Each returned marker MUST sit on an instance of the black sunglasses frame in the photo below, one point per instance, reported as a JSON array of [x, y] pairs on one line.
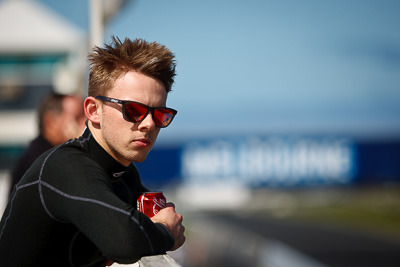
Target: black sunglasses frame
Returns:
[[149, 109]]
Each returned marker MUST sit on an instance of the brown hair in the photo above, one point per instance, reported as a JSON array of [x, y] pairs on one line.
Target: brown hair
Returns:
[[50, 103], [109, 63]]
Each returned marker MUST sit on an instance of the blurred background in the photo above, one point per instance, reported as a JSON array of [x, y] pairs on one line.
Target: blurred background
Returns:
[[286, 147]]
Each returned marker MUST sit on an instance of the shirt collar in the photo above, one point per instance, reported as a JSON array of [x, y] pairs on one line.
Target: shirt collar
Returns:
[[111, 166]]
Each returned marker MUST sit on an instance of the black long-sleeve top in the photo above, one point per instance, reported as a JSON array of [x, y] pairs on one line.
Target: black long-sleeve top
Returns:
[[36, 147], [76, 206]]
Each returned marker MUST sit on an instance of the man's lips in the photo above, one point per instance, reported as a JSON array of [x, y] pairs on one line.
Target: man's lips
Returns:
[[143, 142]]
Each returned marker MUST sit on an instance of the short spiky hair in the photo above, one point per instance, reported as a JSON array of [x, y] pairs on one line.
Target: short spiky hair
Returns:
[[109, 63]]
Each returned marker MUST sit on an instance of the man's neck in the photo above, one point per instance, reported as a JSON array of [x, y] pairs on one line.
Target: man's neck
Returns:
[[96, 133]]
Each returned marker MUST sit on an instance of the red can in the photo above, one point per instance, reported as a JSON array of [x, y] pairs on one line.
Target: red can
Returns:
[[150, 203]]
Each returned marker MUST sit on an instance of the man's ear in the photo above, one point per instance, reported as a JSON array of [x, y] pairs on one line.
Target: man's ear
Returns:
[[50, 120], [92, 109]]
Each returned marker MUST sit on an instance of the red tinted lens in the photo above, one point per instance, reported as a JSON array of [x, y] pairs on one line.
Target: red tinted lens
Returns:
[[163, 117], [136, 112]]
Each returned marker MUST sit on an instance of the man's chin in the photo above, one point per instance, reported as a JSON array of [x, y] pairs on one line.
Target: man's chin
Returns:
[[138, 159]]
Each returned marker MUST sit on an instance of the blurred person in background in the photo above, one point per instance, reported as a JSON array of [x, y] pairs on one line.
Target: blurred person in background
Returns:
[[60, 118], [76, 205]]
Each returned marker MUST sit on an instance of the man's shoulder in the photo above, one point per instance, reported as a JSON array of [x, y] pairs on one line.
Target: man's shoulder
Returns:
[[67, 153], [68, 160]]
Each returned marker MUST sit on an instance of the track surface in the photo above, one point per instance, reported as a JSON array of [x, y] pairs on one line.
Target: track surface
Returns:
[[331, 246]]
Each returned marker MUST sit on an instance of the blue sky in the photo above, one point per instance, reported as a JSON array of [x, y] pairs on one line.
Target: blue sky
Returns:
[[272, 66]]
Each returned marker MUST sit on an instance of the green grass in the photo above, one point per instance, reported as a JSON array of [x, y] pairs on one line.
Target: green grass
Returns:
[[376, 210], [387, 222]]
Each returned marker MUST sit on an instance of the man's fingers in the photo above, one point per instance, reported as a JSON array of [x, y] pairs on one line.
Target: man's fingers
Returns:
[[170, 204]]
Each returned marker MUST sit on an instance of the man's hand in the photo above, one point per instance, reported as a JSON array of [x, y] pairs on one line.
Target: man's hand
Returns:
[[173, 222]]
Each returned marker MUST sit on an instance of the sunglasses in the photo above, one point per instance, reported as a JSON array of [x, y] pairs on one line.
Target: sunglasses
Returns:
[[136, 112]]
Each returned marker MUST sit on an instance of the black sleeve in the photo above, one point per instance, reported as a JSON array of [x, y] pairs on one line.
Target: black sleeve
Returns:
[[22, 166], [83, 195]]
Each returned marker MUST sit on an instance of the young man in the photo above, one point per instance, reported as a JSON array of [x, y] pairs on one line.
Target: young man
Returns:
[[60, 118], [76, 205]]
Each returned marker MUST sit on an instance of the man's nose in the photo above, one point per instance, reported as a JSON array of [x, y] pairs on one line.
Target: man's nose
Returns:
[[148, 123]]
